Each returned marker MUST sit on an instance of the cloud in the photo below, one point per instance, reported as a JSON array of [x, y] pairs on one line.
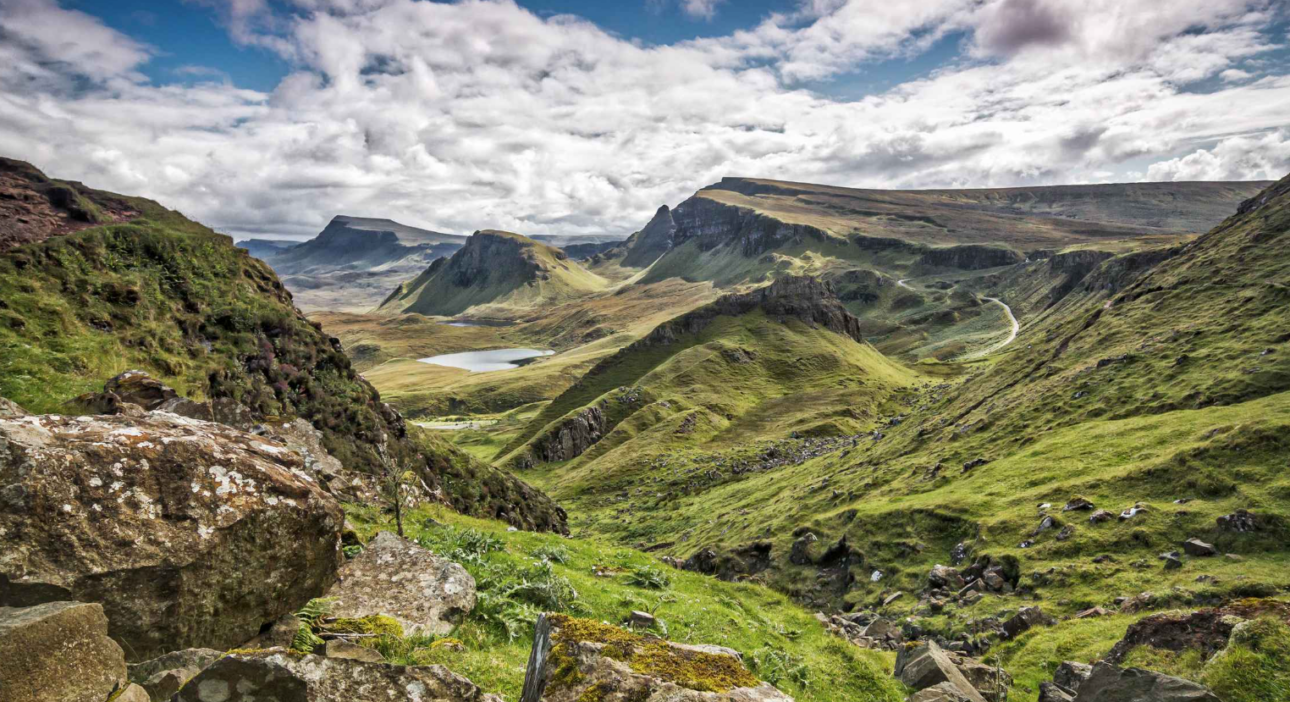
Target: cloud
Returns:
[[705, 9], [1237, 158], [476, 114]]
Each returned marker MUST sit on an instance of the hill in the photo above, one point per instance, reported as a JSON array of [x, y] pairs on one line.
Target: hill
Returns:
[[151, 290], [494, 269]]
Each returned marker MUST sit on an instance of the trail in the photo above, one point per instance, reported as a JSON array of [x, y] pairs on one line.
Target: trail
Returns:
[[1012, 336], [901, 283]]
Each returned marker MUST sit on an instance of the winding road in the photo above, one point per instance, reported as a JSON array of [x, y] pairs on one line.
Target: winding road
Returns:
[[1012, 335]]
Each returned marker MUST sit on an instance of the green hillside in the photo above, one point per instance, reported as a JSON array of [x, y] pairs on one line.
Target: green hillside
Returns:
[[494, 270]]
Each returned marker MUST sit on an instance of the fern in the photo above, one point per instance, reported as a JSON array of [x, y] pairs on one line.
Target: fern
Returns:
[[650, 578]]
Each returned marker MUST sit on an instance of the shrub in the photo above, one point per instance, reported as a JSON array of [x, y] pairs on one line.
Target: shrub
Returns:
[[649, 577], [775, 666]]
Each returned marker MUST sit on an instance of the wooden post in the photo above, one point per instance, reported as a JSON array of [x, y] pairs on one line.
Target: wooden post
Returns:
[[535, 676]]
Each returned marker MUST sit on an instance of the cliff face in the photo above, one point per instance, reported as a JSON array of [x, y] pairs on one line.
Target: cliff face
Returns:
[[713, 224], [652, 241], [34, 208], [970, 257]]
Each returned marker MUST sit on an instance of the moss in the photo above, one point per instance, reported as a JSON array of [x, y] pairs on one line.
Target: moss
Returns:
[[594, 693], [378, 624], [646, 655]]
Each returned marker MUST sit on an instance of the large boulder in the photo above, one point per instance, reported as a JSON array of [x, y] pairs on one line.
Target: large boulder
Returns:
[[397, 578], [579, 659], [1024, 620], [190, 533], [281, 676], [58, 651], [10, 409], [1111, 684], [927, 665]]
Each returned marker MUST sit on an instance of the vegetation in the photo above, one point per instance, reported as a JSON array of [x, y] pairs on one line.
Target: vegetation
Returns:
[[496, 636]]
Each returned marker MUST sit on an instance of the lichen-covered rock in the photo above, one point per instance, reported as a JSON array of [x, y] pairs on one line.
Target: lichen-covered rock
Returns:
[[58, 651], [189, 533], [580, 659], [162, 677], [399, 579], [10, 409], [285, 677], [1024, 620]]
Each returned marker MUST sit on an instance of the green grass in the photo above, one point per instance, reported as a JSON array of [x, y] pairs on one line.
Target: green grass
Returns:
[[786, 640]]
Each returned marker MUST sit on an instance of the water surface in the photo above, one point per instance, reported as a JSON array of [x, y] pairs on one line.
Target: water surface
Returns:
[[484, 361]]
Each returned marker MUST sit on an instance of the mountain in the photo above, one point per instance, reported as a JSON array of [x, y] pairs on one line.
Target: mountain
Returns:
[[497, 269], [154, 291], [741, 228], [265, 249], [352, 264]]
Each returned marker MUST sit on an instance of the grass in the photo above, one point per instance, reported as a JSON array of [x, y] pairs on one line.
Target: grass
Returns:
[[779, 639]]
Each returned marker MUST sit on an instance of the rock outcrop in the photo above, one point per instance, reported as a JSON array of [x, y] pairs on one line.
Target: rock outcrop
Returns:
[[1108, 683], [651, 242], [162, 677], [927, 665], [58, 651], [578, 659], [395, 577], [286, 677], [970, 257], [572, 437], [189, 533]]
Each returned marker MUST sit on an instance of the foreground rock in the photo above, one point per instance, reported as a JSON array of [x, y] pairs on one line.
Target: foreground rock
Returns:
[[397, 578], [926, 666], [58, 651], [189, 533], [286, 677], [579, 659], [162, 677]]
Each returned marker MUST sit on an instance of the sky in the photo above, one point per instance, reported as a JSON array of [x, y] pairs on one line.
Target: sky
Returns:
[[265, 118]]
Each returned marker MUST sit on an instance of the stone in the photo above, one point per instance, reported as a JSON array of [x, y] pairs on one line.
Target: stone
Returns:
[[162, 677], [1111, 684], [1091, 613], [58, 651], [397, 578], [1024, 620], [133, 693], [189, 533], [288, 677], [927, 665], [1198, 548], [945, 577], [1100, 516], [974, 463], [959, 553], [800, 553], [1077, 504], [280, 635], [1045, 524], [10, 409], [340, 648], [561, 642], [641, 619], [1172, 560], [1049, 692], [1071, 675], [890, 599], [881, 629], [940, 692], [1240, 521], [993, 579]]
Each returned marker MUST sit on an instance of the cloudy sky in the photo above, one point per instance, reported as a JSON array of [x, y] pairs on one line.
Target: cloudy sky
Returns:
[[267, 117]]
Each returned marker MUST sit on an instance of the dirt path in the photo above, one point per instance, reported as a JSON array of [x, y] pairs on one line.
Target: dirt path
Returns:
[[1012, 335]]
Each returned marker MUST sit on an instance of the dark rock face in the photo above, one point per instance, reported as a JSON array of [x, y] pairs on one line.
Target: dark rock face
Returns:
[[189, 533], [572, 437], [970, 257], [734, 565], [798, 297], [284, 677], [1108, 683], [34, 208], [489, 255], [1024, 620], [652, 241], [162, 677], [710, 224], [1207, 630], [341, 245], [1239, 521], [58, 651]]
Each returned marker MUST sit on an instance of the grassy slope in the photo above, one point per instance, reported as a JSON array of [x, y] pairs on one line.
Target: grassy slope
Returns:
[[696, 609], [169, 296], [505, 259]]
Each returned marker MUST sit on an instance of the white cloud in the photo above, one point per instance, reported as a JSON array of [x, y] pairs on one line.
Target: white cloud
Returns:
[[473, 114], [706, 9], [1235, 158]]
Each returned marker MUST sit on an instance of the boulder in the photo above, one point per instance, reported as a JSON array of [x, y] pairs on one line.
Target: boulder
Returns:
[[1025, 619], [162, 677], [1048, 692], [944, 577], [940, 692], [397, 578], [800, 553], [1239, 521], [1198, 548], [190, 533], [1071, 675], [1111, 684], [58, 651], [339, 648], [578, 659], [10, 409], [287, 677], [927, 665], [1077, 504], [132, 693], [1100, 516]]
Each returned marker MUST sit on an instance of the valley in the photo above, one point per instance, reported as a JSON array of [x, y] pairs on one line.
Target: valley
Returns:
[[822, 413]]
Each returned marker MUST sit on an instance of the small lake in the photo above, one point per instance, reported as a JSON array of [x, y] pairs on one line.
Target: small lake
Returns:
[[484, 361]]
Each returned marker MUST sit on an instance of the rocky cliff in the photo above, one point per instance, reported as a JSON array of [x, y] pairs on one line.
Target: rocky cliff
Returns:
[[343, 246]]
